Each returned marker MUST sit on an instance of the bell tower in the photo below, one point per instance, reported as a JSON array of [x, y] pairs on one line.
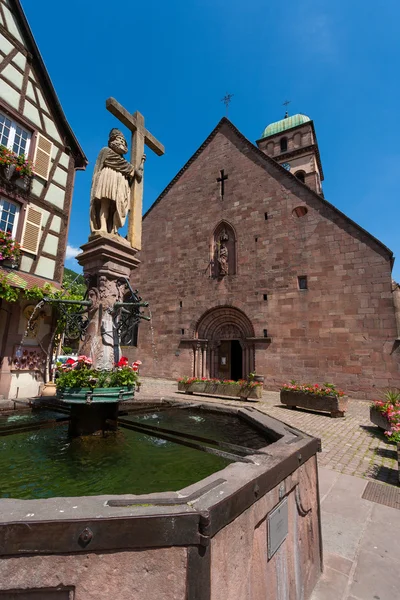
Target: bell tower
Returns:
[[293, 144]]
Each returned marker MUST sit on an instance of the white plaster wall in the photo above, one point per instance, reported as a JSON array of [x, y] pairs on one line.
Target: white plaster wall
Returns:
[[55, 195], [64, 160], [8, 94], [12, 25], [56, 224], [51, 244], [37, 186], [5, 45], [60, 177], [29, 91], [20, 60], [13, 75], [25, 384], [51, 129], [45, 267], [26, 263], [42, 101], [32, 113]]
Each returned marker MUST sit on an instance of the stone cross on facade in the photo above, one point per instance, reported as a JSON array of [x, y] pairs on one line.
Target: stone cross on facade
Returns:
[[140, 136]]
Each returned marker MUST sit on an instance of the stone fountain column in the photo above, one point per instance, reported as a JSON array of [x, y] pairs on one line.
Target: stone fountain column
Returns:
[[105, 260]]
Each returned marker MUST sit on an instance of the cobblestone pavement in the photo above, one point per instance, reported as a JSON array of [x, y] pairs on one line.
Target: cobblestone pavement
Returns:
[[352, 445]]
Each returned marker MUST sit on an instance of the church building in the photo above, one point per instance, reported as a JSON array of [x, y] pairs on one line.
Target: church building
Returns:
[[248, 268]]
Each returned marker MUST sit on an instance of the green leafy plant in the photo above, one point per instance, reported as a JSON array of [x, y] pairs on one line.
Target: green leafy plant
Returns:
[[244, 383], [326, 389]]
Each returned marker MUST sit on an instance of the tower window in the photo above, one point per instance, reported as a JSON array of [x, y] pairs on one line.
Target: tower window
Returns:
[[266, 216], [182, 331], [265, 332], [300, 175], [283, 143], [302, 281], [180, 303], [265, 297]]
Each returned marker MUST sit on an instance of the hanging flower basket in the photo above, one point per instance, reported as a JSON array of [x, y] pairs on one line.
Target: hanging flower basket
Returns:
[[10, 251]]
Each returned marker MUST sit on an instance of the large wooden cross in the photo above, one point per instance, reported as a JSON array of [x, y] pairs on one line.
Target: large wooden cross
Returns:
[[140, 137]]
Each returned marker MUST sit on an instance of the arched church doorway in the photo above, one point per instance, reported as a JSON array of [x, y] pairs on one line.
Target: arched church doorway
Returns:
[[224, 344]]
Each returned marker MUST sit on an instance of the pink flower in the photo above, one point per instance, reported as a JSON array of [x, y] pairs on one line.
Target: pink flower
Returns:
[[123, 362], [84, 359], [137, 362], [135, 368]]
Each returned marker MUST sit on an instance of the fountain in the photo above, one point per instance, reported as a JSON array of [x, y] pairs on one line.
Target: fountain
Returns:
[[174, 500]]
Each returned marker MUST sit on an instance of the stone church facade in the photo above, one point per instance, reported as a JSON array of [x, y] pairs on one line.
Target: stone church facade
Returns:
[[248, 268]]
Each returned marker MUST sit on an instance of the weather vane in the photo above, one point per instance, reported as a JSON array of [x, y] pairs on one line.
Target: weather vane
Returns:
[[226, 100]]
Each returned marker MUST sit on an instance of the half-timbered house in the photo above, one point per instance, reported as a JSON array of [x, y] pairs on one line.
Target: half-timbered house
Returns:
[[34, 207]]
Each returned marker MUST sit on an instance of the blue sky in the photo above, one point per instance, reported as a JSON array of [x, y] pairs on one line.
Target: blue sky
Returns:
[[174, 61]]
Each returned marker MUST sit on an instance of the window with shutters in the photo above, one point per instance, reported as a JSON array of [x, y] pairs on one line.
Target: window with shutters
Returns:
[[32, 230], [13, 136], [9, 212], [42, 158]]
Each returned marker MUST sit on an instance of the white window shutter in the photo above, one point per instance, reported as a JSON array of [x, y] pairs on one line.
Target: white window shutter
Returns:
[[42, 158], [32, 230]]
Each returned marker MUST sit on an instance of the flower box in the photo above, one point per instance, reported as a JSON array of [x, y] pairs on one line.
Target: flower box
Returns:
[[235, 390], [379, 418], [96, 395], [335, 405]]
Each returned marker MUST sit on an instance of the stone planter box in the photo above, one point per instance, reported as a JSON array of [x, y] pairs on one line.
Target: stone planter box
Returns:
[[221, 389], [96, 396], [378, 418], [332, 404]]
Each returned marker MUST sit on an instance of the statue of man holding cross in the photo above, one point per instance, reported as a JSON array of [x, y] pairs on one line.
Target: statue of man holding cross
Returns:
[[112, 179], [117, 185]]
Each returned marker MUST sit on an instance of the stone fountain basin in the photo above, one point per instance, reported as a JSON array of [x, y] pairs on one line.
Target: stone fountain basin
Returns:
[[247, 532]]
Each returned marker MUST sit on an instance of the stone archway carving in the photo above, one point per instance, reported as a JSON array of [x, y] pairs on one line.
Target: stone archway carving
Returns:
[[223, 323]]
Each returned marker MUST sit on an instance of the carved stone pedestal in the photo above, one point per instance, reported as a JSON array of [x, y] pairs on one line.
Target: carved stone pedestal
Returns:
[[107, 261]]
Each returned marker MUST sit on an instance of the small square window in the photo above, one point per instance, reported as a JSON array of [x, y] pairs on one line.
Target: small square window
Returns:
[[8, 216], [302, 281], [13, 136], [265, 297]]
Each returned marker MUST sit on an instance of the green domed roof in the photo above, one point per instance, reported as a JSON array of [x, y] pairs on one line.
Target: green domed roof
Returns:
[[286, 123]]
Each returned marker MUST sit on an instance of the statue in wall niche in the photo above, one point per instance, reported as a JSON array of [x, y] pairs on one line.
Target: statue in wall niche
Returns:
[[112, 179], [223, 255]]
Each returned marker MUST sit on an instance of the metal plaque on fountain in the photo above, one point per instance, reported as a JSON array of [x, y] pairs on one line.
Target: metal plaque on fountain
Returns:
[[277, 527]]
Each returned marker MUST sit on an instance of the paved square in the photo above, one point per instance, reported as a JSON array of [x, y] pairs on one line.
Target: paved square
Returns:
[[351, 445]]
